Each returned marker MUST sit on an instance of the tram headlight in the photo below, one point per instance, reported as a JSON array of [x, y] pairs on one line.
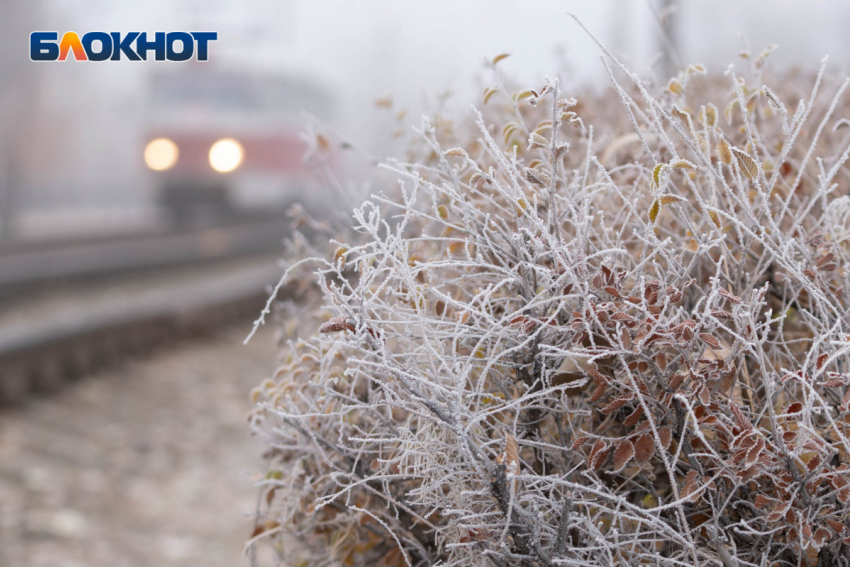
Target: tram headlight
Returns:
[[161, 154], [226, 155]]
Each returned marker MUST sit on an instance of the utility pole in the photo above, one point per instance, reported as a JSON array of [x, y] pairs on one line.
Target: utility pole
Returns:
[[669, 17]]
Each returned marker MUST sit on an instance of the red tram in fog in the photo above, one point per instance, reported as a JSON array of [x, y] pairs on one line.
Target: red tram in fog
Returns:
[[226, 143]]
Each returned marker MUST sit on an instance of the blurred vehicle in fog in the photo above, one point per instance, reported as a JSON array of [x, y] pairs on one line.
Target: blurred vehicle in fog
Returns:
[[222, 142]]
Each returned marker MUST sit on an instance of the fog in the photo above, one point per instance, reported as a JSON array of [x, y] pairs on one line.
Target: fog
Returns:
[[72, 133]]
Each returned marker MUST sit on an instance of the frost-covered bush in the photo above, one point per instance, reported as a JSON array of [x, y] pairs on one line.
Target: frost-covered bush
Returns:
[[609, 331]]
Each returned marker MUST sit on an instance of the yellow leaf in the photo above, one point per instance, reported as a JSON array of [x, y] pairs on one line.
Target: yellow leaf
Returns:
[[730, 109], [443, 211], [523, 95], [654, 210], [675, 86], [508, 130], [681, 115], [682, 164], [714, 218], [522, 206], [488, 92], [751, 103], [763, 55], [386, 102], [710, 115], [724, 152], [668, 199], [649, 501], [256, 394], [656, 174], [691, 245], [323, 142], [499, 57], [543, 126]]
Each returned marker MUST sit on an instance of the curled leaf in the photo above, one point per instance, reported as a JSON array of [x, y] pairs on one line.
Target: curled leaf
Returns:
[[340, 253], [656, 174], [710, 115], [598, 454], [537, 177], [511, 451], [535, 140], [730, 110], [337, 324], [724, 151], [675, 86], [682, 164], [543, 125], [773, 100], [509, 129], [654, 210]]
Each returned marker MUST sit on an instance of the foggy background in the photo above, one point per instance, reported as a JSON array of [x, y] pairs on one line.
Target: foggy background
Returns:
[[72, 134]]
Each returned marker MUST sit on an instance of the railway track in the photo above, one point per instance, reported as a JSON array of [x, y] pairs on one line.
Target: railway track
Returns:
[[25, 267], [68, 310]]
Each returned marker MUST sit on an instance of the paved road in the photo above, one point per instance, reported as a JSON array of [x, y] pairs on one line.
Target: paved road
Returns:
[[149, 464]]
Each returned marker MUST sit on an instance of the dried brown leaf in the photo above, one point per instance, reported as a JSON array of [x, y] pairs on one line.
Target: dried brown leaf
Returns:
[[747, 164], [710, 340], [644, 449], [622, 454]]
